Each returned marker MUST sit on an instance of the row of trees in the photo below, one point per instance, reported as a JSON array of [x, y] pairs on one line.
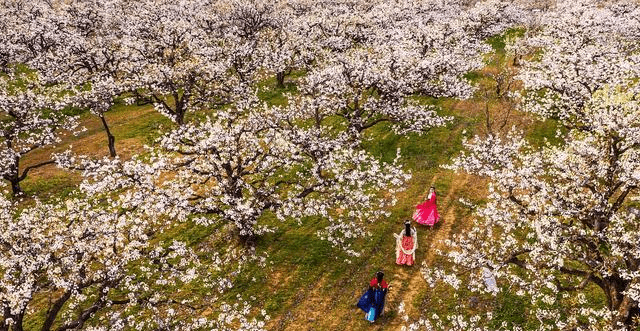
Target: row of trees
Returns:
[[194, 56]]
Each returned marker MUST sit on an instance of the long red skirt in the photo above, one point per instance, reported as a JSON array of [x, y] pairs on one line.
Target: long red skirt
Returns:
[[407, 244], [427, 212]]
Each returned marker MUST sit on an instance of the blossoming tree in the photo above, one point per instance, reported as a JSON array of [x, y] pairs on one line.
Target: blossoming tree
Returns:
[[560, 219], [87, 261], [245, 162], [30, 119], [584, 47]]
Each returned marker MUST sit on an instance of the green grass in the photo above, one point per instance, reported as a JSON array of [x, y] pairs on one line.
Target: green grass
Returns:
[[59, 185], [474, 77], [146, 127], [499, 42], [275, 96], [420, 152], [511, 309], [545, 131], [272, 94]]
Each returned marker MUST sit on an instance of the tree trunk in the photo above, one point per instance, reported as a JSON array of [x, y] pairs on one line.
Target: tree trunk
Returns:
[[622, 317], [180, 118], [619, 304], [15, 187], [111, 139], [17, 323], [53, 311], [487, 116], [181, 108], [516, 60], [280, 79], [248, 240], [6, 314], [14, 177]]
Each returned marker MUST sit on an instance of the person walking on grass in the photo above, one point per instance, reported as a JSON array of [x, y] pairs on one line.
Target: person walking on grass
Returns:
[[406, 244], [372, 301], [427, 212]]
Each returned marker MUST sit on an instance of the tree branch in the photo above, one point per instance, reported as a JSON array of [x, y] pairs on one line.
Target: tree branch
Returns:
[[26, 170]]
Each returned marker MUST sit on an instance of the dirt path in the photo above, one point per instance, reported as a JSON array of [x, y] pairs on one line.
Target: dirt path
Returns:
[[435, 237], [313, 309]]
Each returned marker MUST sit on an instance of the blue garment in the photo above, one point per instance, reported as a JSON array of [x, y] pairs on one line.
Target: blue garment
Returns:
[[372, 298], [366, 301], [378, 300]]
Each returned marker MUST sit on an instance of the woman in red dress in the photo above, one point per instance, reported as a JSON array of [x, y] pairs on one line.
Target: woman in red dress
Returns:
[[427, 213], [406, 244]]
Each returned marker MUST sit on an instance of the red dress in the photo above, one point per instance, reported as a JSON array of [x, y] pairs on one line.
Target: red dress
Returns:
[[426, 213], [407, 245]]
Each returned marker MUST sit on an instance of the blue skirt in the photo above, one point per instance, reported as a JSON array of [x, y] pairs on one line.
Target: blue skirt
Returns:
[[372, 298]]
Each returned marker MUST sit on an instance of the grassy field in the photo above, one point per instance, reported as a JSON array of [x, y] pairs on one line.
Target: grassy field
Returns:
[[306, 284]]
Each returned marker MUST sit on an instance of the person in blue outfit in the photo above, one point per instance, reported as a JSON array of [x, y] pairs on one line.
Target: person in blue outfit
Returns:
[[372, 301]]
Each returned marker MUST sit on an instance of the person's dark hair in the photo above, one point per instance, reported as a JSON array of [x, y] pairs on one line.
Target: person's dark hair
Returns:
[[379, 276], [407, 228]]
